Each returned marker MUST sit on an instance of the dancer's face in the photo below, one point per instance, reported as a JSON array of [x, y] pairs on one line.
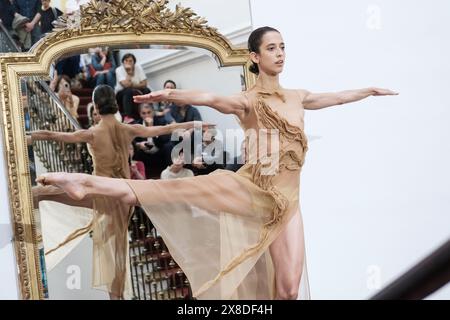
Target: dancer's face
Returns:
[[271, 56]]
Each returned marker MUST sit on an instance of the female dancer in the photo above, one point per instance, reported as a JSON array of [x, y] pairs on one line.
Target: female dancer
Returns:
[[235, 235], [108, 144]]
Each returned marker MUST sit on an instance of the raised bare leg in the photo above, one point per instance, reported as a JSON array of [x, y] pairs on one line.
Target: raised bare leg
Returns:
[[55, 194], [288, 255], [78, 186]]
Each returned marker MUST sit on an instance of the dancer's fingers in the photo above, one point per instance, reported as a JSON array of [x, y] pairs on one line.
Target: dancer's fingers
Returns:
[[41, 179], [143, 98], [384, 92]]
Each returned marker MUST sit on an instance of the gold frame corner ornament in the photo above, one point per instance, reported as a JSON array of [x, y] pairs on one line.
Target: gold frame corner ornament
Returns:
[[98, 23]]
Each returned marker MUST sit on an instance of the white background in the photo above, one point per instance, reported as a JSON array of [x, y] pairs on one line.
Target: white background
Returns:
[[375, 190]]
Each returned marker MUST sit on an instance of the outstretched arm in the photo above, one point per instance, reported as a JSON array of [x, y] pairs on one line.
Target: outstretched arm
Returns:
[[139, 130], [236, 104], [315, 101], [78, 136]]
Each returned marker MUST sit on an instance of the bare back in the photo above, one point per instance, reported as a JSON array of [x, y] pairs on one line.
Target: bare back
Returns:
[[109, 148]]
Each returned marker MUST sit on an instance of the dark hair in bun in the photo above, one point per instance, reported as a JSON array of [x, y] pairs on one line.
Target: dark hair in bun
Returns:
[[105, 99]]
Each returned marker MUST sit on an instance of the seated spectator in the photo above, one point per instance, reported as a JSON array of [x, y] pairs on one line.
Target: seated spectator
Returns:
[[64, 93], [155, 152], [177, 169], [212, 155], [163, 109], [103, 67], [137, 168], [69, 66], [131, 81], [184, 113], [30, 9], [48, 15], [86, 68]]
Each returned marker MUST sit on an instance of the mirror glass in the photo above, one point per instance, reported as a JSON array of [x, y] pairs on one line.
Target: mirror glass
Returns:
[[63, 104]]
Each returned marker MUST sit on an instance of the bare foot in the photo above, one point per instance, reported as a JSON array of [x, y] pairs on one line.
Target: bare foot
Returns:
[[73, 184]]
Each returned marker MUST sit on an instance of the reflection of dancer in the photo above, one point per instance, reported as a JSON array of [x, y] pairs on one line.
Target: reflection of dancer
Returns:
[[108, 142], [235, 235]]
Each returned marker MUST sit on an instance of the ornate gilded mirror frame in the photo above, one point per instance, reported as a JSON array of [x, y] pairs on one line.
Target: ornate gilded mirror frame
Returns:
[[112, 23]]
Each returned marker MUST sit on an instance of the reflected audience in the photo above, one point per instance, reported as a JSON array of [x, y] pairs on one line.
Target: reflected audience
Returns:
[[103, 67], [137, 168], [210, 155], [109, 143], [153, 151], [131, 81], [163, 108], [64, 93], [177, 169]]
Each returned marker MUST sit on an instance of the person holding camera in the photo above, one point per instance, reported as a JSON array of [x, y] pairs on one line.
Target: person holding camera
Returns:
[[103, 67], [64, 93]]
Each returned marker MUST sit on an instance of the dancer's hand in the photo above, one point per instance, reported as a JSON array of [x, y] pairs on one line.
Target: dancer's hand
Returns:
[[29, 140], [156, 96], [41, 180], [383, 92]]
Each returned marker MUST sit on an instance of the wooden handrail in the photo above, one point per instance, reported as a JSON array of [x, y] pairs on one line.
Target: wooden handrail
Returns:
[[427, 276]]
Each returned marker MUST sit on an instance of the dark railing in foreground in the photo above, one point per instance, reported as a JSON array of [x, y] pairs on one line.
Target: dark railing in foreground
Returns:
[[426, 277]]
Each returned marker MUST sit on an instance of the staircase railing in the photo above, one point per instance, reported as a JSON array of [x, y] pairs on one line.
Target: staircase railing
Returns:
[[47, 112], [426, 277]]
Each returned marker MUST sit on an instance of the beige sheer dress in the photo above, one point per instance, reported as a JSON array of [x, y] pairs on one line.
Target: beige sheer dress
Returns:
[[65, 225], [218, 227]]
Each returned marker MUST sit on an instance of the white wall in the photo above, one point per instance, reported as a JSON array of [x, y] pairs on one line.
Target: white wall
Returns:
[[8, 276], [375, 187]]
